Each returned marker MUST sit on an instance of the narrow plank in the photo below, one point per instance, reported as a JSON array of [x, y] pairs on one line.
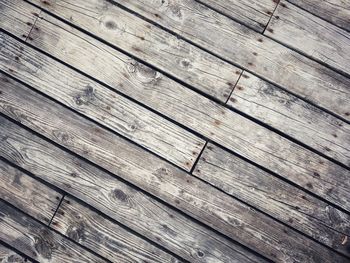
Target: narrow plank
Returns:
[[311, 35], [254, 14], [105, 237], [187, 107], [38, 241], [252, 51], [277, 198], [334, 11], [293, 116], [149, 43], [172, 185], [9, 256], [123, 203], [27, 194]]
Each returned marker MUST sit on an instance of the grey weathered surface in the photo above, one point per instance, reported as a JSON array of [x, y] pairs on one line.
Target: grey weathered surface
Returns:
[[293, 116], [186, 62], [311, 35], [187, 107], [38, 241], [275, 197], [252, 51], [334, 11], [104, 237], [9, 256], [28, 194], [172, 185]]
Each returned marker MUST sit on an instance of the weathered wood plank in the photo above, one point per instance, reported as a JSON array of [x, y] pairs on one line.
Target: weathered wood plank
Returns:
[[105, 237], [311, 35], [187, 107], [334, 11], [27, 194], [250, 50], [177, 57], [38, 241], [9, 256], [125, 204], [275, 197], [172, 185], [293, 116]]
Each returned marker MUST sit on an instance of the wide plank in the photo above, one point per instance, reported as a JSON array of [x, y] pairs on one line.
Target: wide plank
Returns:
[[37, 241], [310, 35], [9, 256], [105, 237], [252, 51], [212, 120], [163, 50], [277, 198], [293, 116], [27, 194], [162, 179], [334, 11], [127, 205]]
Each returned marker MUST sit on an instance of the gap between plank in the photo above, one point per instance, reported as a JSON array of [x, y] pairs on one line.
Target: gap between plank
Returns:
[[58, 206], [273, 12]]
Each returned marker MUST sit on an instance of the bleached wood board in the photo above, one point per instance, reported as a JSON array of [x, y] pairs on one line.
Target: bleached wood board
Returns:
[[9, 256], [134, 35], [187, 107], [27, 194], [37, 241], [334, 11], [252, 51], [138, 211], [277, 198], [310, 35], [293, 116]]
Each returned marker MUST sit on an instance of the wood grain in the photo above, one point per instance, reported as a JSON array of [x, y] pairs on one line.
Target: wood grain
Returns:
[[190, 195], [250, 50], [27, 194], [9, 256], [293, 116], [38, 241], [334, 11], [178, 58], [311, 35], [277, 198]]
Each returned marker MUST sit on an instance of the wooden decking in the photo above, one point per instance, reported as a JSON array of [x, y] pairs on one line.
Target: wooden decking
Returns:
[[175, 131]]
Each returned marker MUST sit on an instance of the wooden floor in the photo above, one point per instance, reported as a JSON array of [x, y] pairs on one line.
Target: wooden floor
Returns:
[[175, 131]]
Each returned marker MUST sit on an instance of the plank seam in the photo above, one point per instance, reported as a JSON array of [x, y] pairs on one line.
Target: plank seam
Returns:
[[58, 206], [30, 31], [198, 157], [273, 13], [239, 77]]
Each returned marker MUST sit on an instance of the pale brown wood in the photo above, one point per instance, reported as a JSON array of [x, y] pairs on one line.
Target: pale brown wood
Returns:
[[310, 35], [37, 241], [28, 194], [9, 256], [277, 198]]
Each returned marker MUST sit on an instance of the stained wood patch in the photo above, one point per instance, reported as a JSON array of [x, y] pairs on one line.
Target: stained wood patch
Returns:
[[9, 256], [178, 58], [28, 194], [277, 198], [293, 116], [311, 35], [38, 241]]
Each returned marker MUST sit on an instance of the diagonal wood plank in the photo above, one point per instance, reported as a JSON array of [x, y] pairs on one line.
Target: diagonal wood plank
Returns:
[[27, 194], [277, 198], [310, 35], [334, 11], [172, 185], [9, 256], [252, 51], [178, 58], [293, 116], [198, 113], [38, 241]]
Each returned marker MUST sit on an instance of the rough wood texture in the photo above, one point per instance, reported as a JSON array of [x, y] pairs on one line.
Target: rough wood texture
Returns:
[[311, 35], [192, 110], [275, 197], [9, 256], [182, 60], [38, 241], [26, 193], [192, 196], [252, 51], [293, 116], [334, 11], [105, 237]]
